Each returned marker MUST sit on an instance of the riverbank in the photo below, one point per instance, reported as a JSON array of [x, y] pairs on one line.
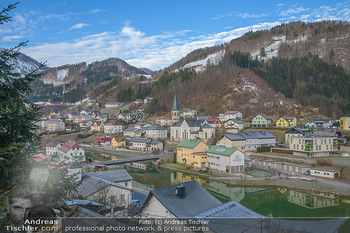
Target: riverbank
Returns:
[[322, 185]]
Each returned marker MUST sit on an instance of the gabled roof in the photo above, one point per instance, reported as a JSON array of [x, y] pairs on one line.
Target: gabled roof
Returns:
[[296, 130], [117, 175], [91, 184], [54, 143], [67, 146], [326, 132], [265, 116], [189, 143], [156, 127], [220, 150], [235, 120], [231, 209], [138, 140], [118, 138], [261, 134], [196, 200], [231, 112], [163, 117], [98, 123]]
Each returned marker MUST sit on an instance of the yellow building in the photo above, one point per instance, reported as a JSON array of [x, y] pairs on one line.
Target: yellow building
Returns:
[[285, 122], [345, 123], [97, 126], [118, 141], [193, 153]]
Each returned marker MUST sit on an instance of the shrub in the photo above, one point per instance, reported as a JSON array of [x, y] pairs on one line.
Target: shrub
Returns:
[[324, 162], [263, 149]]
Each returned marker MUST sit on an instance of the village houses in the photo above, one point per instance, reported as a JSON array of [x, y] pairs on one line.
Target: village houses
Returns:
[[55, 125], [261, 121], [247, 141], [230, 115], [225, 159], [71, 152], [52, 147], [112, 127], [118, 141], [156, 131], [163, 120], [192, 153], [286, 122], [97, 126]]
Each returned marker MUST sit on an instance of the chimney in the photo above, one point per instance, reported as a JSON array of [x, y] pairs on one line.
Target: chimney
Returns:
[[180, 191]]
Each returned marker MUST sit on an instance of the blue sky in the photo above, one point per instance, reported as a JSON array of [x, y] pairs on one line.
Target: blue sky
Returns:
[[152, 34]]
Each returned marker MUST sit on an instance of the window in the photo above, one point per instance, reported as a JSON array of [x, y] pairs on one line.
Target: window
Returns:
[[122, 197]]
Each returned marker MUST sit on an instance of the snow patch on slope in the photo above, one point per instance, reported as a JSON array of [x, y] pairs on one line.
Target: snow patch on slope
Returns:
[[61, 74], [200, 65]]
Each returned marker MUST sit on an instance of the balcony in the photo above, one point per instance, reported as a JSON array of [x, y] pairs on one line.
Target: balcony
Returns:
[[309, 150]]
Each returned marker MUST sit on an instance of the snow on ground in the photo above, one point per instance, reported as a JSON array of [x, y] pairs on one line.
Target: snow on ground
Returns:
[[200, 65], [246, 86], [61, 74]]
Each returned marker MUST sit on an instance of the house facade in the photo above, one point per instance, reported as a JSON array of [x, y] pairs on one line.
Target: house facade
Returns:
[[247, 141], [261, 121], [189, 113], [55, 125], [52, 147], [230, 115], [156, 131], [112, 127], [97, 126], [192, 153], [285, 122], [139, 144], [71, 152], [313, 146], [163, 120], [118, 141], [345, 123], [294, 132], [225, 159], [234, 124]]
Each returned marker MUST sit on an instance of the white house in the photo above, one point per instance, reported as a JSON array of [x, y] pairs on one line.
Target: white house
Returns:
[[234, 124], [156, 131], [52, 147], [112, 127], [163, 120], [71, 152], [225, 159], [230, 115], [113, 104], [189, 113]]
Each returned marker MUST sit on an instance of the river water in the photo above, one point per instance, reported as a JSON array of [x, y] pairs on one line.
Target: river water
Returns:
[[273, 202]]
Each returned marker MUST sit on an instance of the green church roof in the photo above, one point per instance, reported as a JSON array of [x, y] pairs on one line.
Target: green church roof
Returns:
[[175, 104]]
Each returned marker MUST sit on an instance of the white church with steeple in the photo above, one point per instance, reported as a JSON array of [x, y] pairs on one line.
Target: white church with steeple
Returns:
[[188, 128]]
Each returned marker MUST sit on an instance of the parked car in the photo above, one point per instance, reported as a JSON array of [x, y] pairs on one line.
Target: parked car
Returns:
[[307, 172]]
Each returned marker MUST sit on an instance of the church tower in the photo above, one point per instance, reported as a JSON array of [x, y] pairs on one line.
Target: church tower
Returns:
[[175, 111]]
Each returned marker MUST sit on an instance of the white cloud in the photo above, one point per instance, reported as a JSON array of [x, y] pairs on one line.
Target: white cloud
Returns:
[[293, 11], [11, 38], [249, 15], [154, 52], [79, 25]]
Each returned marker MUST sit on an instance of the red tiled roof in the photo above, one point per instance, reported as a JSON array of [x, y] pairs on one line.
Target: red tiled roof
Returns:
[[118, 138], [39, 157], [163, 117], [68, 145], [98, 123]]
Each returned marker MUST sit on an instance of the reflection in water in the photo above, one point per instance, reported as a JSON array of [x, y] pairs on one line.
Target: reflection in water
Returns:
[[312, 201], [276, 202]]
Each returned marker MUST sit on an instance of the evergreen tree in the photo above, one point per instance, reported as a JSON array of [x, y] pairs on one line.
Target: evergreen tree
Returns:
[[21, 177]]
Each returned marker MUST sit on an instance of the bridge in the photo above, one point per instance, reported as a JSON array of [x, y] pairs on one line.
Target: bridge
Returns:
[[133, 159]]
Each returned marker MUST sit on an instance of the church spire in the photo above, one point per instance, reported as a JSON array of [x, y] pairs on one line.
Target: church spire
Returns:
[[175, 104]]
